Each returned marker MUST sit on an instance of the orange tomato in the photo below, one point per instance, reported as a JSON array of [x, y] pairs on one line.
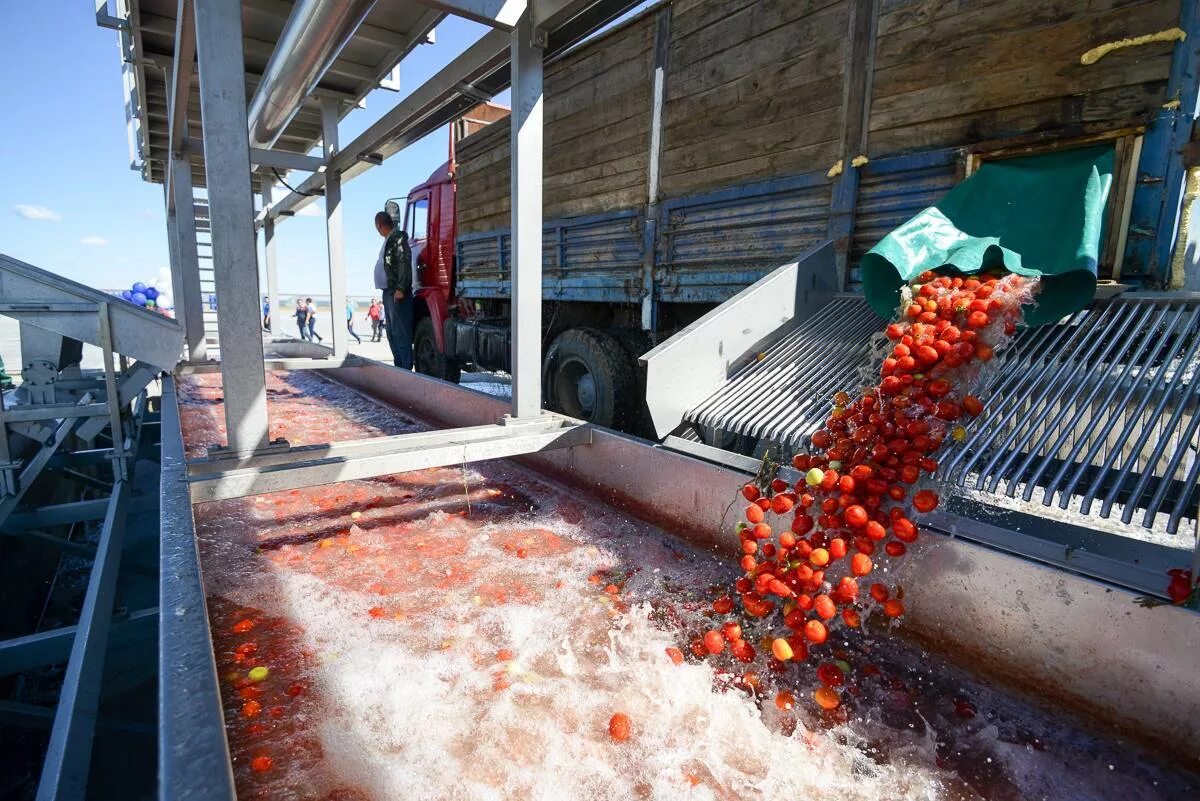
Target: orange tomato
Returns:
[[619, 727]]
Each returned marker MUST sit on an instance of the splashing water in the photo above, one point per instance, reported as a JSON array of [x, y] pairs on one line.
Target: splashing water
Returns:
[[375, 640]]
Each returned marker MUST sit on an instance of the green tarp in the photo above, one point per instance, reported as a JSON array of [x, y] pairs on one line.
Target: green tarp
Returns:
[[1036, 215]]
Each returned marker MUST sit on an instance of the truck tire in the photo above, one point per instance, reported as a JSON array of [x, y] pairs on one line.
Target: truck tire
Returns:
[[589, 378], [636, 342], [428, 359]]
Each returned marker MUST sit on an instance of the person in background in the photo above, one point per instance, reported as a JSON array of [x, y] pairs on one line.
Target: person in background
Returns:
[[393, 274], [350, 321], [375, 318], [302, 319], [266, 313], [312, 320]]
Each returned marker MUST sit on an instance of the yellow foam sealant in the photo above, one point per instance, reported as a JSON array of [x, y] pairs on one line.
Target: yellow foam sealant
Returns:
[[1100, 51], [835, 170], [1190, 194], [859, 160]]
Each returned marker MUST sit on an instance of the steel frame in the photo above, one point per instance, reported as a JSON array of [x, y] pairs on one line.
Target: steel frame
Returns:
[[193, 754]]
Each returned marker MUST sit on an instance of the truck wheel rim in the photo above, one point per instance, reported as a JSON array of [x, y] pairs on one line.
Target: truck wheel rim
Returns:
[[576, 389]]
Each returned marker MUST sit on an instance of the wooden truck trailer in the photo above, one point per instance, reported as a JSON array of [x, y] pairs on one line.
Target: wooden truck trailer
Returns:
[[702, 143]]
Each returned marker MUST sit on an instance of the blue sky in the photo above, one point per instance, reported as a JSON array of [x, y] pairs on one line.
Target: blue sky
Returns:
[[69, 202]]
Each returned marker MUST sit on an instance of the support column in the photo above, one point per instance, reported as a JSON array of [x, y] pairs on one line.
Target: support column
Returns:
[[176, 276], [265, 178], [527, 50], [231, 213], [189, 305], [333, 228]]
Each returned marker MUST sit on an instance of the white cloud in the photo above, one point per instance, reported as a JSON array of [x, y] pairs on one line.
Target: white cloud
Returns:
[[94, 241], [37, 213]]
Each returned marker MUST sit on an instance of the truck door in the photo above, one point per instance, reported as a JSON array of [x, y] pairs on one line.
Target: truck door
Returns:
[[416, 223]]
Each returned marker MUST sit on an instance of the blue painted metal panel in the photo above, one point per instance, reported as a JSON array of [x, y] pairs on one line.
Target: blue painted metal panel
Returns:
[[593, 258], [712, 246], [1160, 173], [893, 189]]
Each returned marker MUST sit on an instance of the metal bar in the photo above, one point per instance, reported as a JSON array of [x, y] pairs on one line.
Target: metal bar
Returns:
[[1061, 384], [1181, 375], [187, 294], [173, 255], [180, 84], [500, 14], [526, 182], [112, 398], [231, 210], [1186, 441], [1067, 430], [54, 646], [271, 251], [267, 157], [452, 450], [34, 467], [193, 754], [68, 756], [53, 411], [662, 50], [33, 716], [1192, 480], [43, 538], [333, 230], [66, 513], [297, 363]]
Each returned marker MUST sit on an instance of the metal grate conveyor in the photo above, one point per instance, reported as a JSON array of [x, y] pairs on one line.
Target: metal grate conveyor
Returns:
[[1096, 414]]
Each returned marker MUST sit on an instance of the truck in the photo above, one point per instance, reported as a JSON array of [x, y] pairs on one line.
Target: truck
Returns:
[[700, 144]]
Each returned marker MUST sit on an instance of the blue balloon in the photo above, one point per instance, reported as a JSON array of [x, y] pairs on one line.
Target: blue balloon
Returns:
[[138, 299], [139, 287], [127, 295], [151, 293]]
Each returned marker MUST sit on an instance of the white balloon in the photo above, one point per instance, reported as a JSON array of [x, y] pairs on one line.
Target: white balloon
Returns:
[[165, 301], [164, 272]]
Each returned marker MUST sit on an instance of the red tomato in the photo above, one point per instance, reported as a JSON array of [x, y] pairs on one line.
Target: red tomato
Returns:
[[972, 405], [895, 548], [723, 605], [732, 631], [860, 564], [978, 319], [754, 514], [750, 492], [879, 592], [675, 655], [893, 607], [815, 632], [261, 764], [714, 642], [855, 516], [830, 675], [824, 606], [925, 501], [619, 726]]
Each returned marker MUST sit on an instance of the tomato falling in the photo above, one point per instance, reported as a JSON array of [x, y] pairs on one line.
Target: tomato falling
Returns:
[[859, 491]]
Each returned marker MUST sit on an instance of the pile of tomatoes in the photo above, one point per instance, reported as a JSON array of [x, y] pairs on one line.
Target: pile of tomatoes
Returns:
[[809, 550]]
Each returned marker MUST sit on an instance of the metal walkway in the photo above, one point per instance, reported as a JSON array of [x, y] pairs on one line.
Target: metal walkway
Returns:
[[1097, 414]]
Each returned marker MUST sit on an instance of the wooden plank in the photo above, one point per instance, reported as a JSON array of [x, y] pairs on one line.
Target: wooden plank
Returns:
[[1056, 48], [780, 162], [749, 24], [942, 25], [785, 44], [700, 128], [765, 89], [738, 143], [1027, 84], [1079, 114]]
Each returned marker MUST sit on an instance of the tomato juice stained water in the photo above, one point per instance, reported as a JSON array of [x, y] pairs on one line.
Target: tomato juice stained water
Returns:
[[485, 633]]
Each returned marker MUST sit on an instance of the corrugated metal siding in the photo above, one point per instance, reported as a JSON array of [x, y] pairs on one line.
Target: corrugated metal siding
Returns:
[[596, 258], [892, 190], [714, 245]]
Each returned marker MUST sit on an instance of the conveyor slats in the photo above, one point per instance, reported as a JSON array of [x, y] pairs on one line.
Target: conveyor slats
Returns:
[[1097, 414]]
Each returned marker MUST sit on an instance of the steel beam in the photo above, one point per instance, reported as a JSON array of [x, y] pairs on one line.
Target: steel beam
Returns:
[[66, 513], [231, 213], [333, 229], [182, 65], [193, 754], [54, 647], [188, 296], [402, 454], [176, 271], [271, 252], [658, 89], [68, 756], [501, 14], [34, 466], [266, 157], [526, 182]]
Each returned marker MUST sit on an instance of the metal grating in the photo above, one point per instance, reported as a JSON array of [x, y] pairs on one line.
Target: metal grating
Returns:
[[1096, 414]]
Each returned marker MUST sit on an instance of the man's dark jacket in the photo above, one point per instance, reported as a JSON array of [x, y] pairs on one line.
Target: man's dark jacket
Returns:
[[397, 262]]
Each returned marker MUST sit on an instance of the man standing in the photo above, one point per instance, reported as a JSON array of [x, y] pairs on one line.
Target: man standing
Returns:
[[312, 320], [266, 314], [301, 315], [393, 275]]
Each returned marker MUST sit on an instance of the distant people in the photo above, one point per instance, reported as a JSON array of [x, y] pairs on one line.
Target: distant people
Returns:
[[375, 318], [393, 274], [266, 313], [350, 322], [312, 320], [302, 319]]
